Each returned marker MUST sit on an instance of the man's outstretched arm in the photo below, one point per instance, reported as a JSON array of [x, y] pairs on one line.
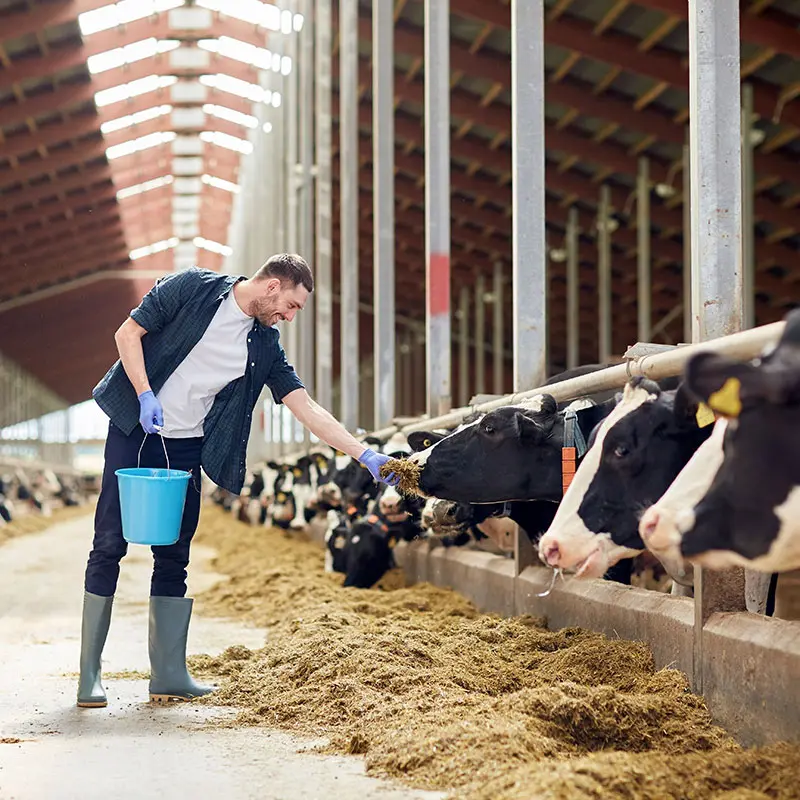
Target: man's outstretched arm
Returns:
[[327, 428]]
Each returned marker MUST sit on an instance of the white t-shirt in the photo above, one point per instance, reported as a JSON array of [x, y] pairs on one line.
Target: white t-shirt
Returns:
[[217, 359]]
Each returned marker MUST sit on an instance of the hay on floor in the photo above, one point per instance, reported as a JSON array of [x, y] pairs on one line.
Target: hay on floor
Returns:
[[440, 696]]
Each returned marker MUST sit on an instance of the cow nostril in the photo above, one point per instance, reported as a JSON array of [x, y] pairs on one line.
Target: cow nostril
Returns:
[[552, 555], [649, 524]]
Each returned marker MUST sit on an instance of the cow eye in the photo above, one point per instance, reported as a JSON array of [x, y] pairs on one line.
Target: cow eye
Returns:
[[488, 429], [620, 451]]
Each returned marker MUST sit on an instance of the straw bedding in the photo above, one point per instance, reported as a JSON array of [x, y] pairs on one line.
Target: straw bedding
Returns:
[[440, 696]]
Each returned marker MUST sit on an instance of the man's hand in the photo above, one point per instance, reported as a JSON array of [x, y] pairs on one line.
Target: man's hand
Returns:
[[373, 462], [150, 412]]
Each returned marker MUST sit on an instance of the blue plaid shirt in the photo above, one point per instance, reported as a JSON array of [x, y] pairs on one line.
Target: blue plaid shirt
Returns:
[[176, 313]]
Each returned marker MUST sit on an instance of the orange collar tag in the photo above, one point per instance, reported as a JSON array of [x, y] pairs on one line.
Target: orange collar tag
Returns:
[[569, 457]]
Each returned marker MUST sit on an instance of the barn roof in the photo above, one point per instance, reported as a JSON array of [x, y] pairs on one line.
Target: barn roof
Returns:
[[101, 187]]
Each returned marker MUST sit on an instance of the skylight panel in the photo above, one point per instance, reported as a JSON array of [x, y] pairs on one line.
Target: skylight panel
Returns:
[[227, 141], [267, 15], [133, 89], [220, 183], [107, 17], [134, 119], [147, 186], [231, 115], [156, 247], [247, 53], [212, 246], [138, 144]]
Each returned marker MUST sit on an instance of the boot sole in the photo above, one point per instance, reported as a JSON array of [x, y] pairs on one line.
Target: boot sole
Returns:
[[91, 704], [168, 699]]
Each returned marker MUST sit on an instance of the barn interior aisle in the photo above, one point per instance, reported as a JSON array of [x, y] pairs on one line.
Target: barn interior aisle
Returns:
[[49, 748]]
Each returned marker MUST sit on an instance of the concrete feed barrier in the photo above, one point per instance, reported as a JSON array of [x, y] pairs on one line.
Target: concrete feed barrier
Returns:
[[750, 665]]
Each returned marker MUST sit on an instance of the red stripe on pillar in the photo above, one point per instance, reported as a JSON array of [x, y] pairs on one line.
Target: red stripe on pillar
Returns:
[[439, 286]]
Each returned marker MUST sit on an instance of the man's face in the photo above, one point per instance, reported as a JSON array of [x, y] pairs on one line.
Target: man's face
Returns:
[[278, 302]]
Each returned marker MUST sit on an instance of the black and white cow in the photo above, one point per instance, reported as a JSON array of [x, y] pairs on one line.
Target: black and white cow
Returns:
[[737, 502], [512, 453], [636, 452]]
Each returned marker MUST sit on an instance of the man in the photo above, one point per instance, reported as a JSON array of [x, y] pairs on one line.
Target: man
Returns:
[[193, 358]]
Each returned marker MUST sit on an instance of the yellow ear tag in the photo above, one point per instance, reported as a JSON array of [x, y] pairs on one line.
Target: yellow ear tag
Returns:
[[426, 443], [704, 416], [726, 401], [297, 472], [281, 497]]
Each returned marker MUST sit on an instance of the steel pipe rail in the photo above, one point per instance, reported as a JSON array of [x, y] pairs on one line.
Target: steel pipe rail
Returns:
[[744, 345]]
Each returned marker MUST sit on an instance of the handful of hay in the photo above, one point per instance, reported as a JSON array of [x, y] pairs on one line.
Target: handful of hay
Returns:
[[407, 471]]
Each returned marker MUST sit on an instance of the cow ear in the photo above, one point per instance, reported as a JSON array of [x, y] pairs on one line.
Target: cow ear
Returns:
[[273, 465], [528, 430], [422, 440], [723, 384], [685, 408]]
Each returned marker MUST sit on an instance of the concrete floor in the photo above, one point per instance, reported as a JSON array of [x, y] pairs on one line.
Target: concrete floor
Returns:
[[51, 749]]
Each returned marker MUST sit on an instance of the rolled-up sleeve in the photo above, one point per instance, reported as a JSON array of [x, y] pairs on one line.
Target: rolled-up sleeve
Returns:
[[162, 303], [282, 377]]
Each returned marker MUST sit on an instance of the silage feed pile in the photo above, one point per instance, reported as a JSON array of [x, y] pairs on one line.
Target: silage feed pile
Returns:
[[435, 694]]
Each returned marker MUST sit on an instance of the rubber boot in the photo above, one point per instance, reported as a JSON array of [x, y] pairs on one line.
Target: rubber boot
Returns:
[[169, 627], [94, 629]]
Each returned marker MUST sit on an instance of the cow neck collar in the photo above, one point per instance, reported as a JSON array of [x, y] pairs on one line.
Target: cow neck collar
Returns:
[[573, 448]]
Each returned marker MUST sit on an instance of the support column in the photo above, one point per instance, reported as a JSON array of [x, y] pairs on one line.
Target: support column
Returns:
[[716, 212], [437, 204], [748, 210], [529, 245], [324, 207], [305, 66], [604, 274], [480, 334], [573, 291], [463, 346], [383, 208], [688, 284], [716, 165], [643, 249], [498, 345], [348, 136]]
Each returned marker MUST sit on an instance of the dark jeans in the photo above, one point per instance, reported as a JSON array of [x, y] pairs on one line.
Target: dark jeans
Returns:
[[109, 546]]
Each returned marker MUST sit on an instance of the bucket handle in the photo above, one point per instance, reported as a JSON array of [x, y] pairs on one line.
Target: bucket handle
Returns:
[[163, 444]]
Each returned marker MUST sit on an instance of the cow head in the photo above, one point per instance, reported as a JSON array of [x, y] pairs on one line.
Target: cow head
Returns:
[[738, 501], [637, 452], [513, 453]]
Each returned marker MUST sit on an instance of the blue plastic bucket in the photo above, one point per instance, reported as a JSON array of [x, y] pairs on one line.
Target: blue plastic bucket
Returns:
[[151, 502]]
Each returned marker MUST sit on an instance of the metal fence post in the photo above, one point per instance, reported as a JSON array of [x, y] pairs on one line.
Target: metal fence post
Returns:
[[305, 66], [529, 244], [498, 345], [437, 203], [348, 168], [748, 202], [573, 290], [643, 249], [463, 346], [324, 206], [604, 338], [716, 197], [383, 210], [480, 334]]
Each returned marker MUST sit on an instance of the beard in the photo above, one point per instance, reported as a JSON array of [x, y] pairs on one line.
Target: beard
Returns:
[[265, 312]]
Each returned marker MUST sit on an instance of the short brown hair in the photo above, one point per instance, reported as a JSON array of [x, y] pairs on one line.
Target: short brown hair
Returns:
[[289, 268]]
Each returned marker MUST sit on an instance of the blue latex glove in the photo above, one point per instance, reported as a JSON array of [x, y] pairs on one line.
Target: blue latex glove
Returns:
[[150, 412], [373, 461]]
